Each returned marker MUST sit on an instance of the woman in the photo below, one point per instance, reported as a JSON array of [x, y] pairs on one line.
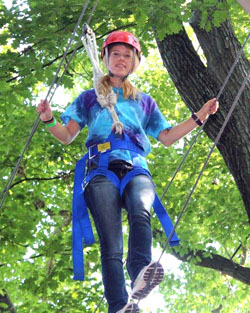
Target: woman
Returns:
[[139, 116]]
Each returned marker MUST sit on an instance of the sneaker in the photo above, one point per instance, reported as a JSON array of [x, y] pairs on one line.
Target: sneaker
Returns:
[[130, 308], [149, 277]]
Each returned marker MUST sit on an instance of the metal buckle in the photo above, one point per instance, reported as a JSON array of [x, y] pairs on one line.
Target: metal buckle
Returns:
[[84, 184], [90, 152]]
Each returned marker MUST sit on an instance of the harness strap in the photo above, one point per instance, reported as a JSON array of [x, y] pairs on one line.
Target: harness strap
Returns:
[[81, 228], [165, 220], [112, 143]]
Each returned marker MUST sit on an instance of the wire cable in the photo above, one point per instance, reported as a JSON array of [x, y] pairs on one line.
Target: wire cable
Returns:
[[37, 121], [74, 51], [207, 159]]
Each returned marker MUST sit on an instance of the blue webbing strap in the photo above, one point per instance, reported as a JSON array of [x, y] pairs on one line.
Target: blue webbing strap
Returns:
[[81, 227], [165, 220], [117, 143]]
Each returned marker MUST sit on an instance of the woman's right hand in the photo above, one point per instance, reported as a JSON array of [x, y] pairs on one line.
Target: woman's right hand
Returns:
[[44, 110]]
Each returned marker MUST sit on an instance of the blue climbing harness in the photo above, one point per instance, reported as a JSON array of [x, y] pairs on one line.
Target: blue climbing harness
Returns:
[[82, 229]]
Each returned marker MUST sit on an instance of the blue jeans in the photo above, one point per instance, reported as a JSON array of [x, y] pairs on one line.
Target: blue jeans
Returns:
[[105, 204]]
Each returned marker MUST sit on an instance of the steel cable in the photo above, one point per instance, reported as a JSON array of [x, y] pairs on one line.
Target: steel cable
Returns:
[[37, 121], [207, 159]]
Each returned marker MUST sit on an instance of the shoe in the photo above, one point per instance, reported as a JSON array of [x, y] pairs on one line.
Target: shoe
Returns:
[[130, 308], [149, 277]]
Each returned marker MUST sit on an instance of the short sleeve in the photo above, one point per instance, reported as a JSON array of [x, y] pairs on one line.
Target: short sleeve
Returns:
[[157, 121], [76, 111]]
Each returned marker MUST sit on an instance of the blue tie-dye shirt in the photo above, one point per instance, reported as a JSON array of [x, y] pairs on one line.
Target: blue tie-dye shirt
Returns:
[[140, 118]]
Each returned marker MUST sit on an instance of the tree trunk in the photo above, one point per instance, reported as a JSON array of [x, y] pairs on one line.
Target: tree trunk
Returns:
[[197, 83]]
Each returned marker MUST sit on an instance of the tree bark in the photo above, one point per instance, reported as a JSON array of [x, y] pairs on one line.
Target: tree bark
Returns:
[[4, 299], [218, 263], [198, 82]]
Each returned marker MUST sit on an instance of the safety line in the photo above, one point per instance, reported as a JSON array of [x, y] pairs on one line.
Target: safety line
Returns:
[[37, 121], [202, 127], [207, 159]]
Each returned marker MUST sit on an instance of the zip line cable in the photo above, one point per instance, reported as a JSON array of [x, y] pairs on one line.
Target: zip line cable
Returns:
[[202, 127], [207, 159], [37, 121]]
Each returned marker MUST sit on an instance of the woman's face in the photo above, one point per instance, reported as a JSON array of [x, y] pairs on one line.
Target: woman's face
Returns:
[[120, 60]]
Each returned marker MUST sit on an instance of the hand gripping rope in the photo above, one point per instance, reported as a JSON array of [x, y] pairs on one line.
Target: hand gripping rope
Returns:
[[55, 83]]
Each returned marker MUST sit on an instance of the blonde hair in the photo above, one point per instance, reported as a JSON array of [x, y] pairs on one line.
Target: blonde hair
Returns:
[[129, 91]]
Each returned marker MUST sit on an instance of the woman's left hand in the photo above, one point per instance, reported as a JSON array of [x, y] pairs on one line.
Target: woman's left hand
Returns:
[[210, 107]]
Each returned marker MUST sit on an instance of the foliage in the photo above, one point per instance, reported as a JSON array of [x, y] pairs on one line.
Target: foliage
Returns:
[[35, 231]]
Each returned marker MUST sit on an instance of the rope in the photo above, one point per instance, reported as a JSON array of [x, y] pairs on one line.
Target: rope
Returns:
[[236, 251], [36, 123], [198, 178], [109, 101], [202, 127]]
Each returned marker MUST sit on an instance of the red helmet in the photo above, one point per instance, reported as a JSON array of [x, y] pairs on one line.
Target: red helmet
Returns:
[[123, 37]]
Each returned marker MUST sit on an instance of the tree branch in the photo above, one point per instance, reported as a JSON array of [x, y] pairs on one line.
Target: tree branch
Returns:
[[218, 263], [41, 178]]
